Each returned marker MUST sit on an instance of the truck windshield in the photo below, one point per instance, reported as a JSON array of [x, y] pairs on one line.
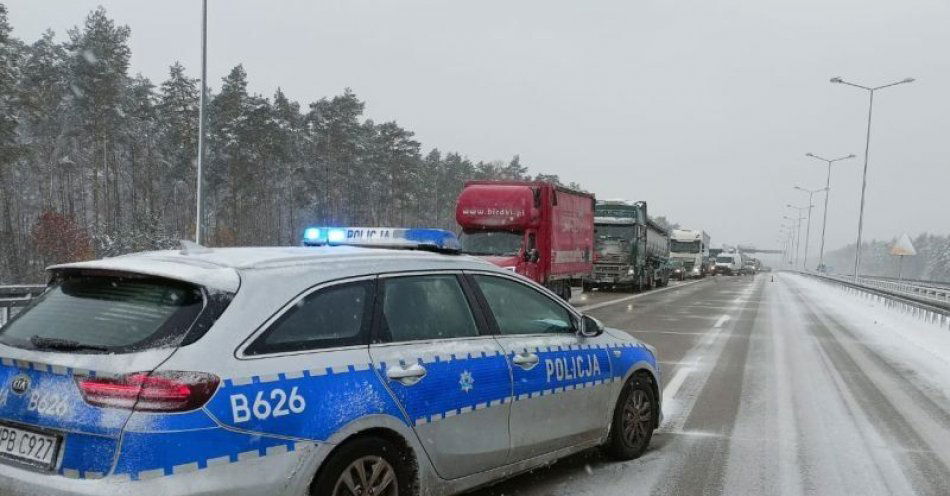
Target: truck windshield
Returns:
[[724, 260], [495, 243], [613, 231], [684, 246]]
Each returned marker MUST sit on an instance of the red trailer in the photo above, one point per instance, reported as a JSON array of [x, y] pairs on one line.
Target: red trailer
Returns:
[[538, 229]]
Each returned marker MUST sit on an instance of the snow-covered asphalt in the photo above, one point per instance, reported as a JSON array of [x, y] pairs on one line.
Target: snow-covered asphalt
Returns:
[[789, 386]]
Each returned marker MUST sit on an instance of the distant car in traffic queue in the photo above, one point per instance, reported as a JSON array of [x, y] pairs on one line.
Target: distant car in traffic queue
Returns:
[[677, 270], [750, 266], [319, 370], [729, 264]]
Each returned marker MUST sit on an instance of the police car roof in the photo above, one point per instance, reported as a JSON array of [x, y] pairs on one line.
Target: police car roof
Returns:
[[219, 268]]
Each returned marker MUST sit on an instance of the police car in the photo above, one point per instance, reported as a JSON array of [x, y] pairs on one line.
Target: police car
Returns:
[[324, 370]]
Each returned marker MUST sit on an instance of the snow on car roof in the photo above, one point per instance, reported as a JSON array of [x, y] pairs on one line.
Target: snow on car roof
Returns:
[[219, 267]]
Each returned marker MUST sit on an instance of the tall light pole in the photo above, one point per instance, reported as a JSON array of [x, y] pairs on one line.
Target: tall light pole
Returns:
[[824, 222], [201, 118], [790, 232], [786, 231], [867, 149], [811, 194], [798, 233]]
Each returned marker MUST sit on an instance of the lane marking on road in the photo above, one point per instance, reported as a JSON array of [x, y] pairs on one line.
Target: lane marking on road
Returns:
[[675, 383], [681, 333], [678, 364], [722, 320], [602, 304], [694, 433]]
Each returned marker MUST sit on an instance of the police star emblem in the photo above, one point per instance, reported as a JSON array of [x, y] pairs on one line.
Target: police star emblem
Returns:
[[466, 381]]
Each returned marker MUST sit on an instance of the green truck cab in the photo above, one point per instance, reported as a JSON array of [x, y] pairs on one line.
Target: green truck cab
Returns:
[[630, 250]]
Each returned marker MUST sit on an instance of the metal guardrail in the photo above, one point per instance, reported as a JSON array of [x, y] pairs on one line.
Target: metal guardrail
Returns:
[[12, 298], [918, 282], [925, 303], [925, 293]]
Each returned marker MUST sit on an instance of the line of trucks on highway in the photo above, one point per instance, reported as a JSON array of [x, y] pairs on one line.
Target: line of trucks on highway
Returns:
[[563, 238]]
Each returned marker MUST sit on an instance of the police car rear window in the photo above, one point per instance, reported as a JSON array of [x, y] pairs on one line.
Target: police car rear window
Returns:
[[106, 313]]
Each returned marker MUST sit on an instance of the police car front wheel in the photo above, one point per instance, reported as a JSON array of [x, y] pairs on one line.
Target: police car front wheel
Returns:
[[367, 466], [634, 419]]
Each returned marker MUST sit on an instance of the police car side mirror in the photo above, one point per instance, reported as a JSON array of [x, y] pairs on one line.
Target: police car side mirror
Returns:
[[590, 327]]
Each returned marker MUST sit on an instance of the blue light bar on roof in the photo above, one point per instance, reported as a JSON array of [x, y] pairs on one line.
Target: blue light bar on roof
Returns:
[[440, 239]]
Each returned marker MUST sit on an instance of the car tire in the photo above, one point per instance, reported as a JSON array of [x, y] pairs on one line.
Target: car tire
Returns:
[[341, 472], [633, 421]]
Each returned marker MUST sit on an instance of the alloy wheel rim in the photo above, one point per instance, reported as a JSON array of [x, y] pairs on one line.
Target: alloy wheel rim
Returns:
[[367, 476], [637, 418]]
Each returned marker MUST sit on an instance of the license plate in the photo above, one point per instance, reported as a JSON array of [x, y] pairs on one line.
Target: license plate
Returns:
[[28, 446]]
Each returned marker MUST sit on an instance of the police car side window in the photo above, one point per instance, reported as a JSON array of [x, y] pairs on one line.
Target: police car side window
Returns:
[[520, 309], [329, 317], [425, 307]]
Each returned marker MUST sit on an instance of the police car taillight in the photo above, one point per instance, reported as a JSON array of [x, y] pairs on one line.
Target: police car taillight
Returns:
[[166, 391]]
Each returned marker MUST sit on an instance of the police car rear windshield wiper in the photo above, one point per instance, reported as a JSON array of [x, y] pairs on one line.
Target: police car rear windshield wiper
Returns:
[[57, 344]]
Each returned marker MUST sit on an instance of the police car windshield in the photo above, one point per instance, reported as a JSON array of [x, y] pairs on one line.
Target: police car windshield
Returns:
[[98, 314], [496, 243]]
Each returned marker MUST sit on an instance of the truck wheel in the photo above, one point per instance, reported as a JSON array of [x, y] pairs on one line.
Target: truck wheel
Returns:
[[567, 292], [586, 287]]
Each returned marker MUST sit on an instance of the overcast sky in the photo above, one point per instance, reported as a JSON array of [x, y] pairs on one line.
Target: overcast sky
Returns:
[[703, 108]]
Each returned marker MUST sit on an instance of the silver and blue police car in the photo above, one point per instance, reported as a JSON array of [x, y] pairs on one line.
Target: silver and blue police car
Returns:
[[319, 370]]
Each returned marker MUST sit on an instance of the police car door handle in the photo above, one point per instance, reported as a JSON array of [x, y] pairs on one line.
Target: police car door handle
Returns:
[[526, 360], [406, 375]]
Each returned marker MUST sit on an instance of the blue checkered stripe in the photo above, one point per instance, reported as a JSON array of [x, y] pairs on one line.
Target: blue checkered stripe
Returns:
[[531, 389], [52, 369], [147, 456], [437, 401]]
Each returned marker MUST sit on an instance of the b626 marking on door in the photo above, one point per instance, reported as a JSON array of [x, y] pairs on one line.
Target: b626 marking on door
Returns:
[[274, 404]]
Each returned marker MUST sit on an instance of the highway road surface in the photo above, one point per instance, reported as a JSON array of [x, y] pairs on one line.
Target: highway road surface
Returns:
[[773, 387]]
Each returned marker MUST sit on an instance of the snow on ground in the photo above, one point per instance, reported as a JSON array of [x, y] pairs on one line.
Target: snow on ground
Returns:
[[919, 348]]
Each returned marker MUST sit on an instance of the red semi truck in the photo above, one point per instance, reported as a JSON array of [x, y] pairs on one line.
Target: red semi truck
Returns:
[[538, 229]]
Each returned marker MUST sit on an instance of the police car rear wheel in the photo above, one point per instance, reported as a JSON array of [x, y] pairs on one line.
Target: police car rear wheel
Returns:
[[365, 467], [369, 476], [634, 420]]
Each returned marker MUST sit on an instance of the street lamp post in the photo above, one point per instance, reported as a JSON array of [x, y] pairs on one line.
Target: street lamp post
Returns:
[[786, 232], [824, 222], [867, 149], [781, 239], [811, 194], [798, 233], [201, 119]]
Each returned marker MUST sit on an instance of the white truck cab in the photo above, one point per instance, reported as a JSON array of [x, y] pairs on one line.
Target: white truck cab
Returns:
[[690, 247]]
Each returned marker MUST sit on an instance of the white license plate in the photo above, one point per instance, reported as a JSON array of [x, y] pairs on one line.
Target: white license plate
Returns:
[[28, 446]]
